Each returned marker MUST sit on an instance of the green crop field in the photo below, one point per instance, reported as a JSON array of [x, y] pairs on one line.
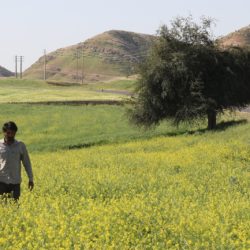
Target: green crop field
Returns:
[[12, 91], [101, 183], [56, 127], [125, 85]]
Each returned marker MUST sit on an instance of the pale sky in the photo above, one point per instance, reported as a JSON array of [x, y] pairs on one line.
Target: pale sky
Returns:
[[30, 26]]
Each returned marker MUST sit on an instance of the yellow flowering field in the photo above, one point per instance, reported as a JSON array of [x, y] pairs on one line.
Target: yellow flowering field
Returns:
[[180, 192]]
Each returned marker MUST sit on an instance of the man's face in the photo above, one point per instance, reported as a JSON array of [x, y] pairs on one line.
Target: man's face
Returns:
[[9, 135]]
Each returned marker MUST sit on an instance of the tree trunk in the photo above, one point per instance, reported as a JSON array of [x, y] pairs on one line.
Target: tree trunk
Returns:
[[211, 116]]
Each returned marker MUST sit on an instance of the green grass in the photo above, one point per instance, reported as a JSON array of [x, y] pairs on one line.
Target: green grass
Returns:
[[124, 85], [56, 127], [12, 90], [50, 127]]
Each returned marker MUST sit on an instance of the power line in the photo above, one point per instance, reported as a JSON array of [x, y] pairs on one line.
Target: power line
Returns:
[[78, 53], [79, 56], [131, 54]]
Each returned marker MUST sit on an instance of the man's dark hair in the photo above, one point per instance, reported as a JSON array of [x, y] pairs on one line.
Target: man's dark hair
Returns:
[[9, 125]]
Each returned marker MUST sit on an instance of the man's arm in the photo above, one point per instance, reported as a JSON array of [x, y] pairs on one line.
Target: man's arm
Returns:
[[27, 165]]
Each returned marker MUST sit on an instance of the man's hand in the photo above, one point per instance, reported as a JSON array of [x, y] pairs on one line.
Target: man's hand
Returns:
[[31, 185]]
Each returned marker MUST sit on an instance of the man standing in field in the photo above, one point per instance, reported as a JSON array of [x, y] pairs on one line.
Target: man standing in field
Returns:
[[12, 153]]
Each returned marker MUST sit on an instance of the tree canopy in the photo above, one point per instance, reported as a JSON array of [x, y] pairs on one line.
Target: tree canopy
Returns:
[[188, 76]]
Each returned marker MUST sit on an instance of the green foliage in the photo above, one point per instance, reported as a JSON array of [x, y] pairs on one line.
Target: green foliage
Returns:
[[188, 77]]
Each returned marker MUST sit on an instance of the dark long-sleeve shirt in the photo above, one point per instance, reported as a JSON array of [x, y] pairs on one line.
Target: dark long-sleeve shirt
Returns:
[[11, 157]]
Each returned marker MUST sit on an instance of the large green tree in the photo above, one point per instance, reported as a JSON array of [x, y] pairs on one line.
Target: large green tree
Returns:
[[187, 76]]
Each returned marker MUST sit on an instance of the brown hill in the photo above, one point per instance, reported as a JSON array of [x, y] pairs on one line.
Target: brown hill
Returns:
[[239, 38], [111, 54], [5, 73]]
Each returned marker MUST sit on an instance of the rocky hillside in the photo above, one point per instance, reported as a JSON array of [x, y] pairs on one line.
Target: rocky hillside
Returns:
[[111, 54], [5, 73], [240, 38]]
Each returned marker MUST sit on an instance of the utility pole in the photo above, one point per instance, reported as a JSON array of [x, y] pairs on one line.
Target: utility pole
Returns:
[[44, 71], [77, 64], [21, 67], [16, 66], [77, 56], [17, 60], [82, 63]]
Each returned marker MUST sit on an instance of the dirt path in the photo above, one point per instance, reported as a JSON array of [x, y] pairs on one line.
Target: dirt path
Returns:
[[119, 92], [80, 102]]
